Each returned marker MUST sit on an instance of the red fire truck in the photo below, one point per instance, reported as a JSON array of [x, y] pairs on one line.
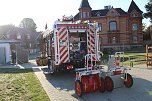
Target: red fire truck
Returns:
[[77, 46], [68, 43]]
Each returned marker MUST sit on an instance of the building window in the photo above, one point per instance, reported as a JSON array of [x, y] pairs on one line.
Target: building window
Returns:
[[112, 13], [114, 40], [134, 27], [84, 14], [135, 39], [113, 25], [134, 15], [88, 14], [30, 45], [18, 36], [28, 36], [8, 36], [100, 27], [81, 15], [98, 14]]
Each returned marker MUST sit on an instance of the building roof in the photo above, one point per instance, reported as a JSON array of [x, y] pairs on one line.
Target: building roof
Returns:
[[76, 17], [103, 12], [12, 31], [85, 4], [120, 11], [9, 41], [133, 6]]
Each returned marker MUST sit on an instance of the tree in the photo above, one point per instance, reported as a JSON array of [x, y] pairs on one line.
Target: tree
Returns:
[[146, 33], [144, 27], [29, 24], [148, 7]]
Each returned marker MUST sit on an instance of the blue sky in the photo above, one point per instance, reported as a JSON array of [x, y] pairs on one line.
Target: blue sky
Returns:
[[47, 11]]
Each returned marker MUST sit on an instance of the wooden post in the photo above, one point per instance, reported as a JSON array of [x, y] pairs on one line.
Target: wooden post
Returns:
[[147, 55]]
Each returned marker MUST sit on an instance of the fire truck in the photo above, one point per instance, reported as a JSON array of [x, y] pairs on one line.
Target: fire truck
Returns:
[[77, 46], [68, 43]]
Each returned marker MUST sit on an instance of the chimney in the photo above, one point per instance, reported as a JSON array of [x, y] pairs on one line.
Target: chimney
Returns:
[[107, 7]]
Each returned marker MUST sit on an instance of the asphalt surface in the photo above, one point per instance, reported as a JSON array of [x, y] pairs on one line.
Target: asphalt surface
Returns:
[[140, 91], [60, 87]]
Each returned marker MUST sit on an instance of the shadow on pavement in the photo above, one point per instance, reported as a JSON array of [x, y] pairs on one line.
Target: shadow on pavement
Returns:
[[140, 91], [14, 70], [62, 80]]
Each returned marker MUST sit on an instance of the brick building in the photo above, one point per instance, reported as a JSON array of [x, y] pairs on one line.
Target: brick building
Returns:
[[119, 29]]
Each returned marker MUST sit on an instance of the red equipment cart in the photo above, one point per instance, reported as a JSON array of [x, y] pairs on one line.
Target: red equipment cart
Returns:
[[88, 79]]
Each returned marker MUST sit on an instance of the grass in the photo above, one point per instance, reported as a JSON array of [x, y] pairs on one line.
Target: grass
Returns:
[[136, 58], [20, 85]]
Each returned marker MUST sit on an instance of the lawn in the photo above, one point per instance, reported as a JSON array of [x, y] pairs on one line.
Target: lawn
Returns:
[[136, 58], [20, 85]]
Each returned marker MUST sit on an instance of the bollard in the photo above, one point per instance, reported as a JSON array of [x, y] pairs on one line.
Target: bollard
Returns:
[[49, 62], [131, 63]]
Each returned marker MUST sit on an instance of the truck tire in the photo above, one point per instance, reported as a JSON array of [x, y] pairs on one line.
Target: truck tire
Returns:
[[102, 85], [129, 81], [109, 83], [78, 88]]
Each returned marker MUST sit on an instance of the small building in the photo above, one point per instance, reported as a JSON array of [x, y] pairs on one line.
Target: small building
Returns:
[[6, 47], [5, 51]]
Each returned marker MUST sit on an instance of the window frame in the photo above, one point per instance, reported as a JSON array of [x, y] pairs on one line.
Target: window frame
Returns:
[[111, 27], [100, 27]]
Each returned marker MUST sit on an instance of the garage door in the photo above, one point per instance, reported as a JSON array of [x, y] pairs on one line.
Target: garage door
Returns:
[[2, 55]]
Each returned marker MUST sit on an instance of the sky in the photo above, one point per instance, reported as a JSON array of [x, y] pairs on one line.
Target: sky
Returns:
[[48, 11]]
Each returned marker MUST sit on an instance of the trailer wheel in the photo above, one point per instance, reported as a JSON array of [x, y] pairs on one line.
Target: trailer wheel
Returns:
[[102, 85], [109, 84], [129, 81], [78, 88]]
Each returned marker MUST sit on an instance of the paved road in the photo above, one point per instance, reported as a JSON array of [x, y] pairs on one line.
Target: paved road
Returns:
[[63, 88], [60, 87]]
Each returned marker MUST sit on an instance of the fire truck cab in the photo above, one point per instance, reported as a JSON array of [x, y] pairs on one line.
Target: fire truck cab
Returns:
[[68, 44]]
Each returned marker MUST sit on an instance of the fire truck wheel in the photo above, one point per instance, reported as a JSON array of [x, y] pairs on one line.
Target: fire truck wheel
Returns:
[[102, 85], [78, 88], [109, 84], [129, 81]]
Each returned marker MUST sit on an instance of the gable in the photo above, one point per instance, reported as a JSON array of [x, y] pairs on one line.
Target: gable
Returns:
[[112, 12], [134, 13], [133, 6], [98, 14]]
